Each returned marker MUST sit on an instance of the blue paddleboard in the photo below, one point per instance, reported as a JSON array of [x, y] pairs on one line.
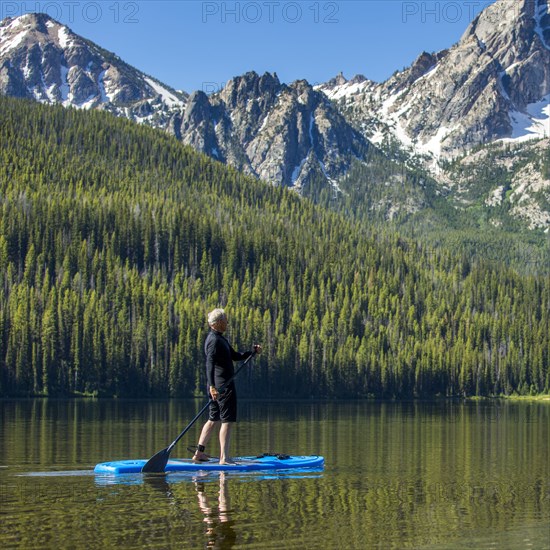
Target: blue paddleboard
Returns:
[[242, 464]]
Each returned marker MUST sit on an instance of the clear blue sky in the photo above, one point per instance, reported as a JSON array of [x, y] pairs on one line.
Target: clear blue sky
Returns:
[[194, 45]]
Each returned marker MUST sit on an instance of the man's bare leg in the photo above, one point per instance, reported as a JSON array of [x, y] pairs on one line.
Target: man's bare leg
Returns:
[[225, 440], [206, 434]]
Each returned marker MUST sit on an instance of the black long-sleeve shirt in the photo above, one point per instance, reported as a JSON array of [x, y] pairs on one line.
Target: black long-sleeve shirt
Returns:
[[219, 359]]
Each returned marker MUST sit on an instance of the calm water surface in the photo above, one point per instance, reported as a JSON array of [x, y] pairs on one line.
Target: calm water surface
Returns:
[[397, 475]]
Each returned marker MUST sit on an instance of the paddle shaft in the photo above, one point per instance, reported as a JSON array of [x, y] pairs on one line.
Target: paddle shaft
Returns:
[[199, 414]]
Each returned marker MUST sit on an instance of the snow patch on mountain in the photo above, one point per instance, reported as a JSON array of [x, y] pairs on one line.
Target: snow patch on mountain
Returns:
[[345, 90], [65, 40], [168, 97], [8, 44], [534, 123], [296, 172]]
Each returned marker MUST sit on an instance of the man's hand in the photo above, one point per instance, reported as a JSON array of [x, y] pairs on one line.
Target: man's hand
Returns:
[[257, 349], [214, 393]]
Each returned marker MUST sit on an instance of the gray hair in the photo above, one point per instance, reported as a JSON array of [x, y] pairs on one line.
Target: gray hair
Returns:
[[216, 315]]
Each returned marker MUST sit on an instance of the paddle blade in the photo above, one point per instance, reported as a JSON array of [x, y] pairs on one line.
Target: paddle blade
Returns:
[[157, 463]]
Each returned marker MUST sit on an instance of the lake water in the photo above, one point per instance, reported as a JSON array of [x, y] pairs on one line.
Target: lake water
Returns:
[[397, 475]]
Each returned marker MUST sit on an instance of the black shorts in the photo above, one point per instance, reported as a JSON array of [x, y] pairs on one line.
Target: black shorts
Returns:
[[225, 408]]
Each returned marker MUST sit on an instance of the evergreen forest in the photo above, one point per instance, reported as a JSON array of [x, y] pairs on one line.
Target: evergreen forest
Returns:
[[116, 240]]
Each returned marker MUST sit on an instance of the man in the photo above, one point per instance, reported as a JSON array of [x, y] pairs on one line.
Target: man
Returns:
[[219, 370]]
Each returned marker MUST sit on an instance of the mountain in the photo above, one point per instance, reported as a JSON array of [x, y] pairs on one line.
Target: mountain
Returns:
[[491, 89], [284, 134], [430, 122], [43, 60], [494, 84]]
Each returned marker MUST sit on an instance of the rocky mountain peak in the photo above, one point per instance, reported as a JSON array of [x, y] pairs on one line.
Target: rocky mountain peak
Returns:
[[240, 89], [424, 63], [509, 31], [338, 80], [29, 22], [358, 79], [505, 18], [494, 84], [285, 134], [421, 66], [44, 60]]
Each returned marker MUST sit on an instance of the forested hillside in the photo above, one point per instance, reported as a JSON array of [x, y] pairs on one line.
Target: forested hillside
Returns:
[[465, 219], [115, 240]]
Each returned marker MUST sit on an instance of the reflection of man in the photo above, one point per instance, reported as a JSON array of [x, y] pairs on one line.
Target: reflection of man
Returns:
[[220, 533], [219, 372]]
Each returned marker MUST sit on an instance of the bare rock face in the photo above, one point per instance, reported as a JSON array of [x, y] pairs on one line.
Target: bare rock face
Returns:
[[277, 132], [493, 81]]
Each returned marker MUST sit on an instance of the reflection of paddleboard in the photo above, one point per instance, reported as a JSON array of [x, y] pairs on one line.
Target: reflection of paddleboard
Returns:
[[242, 464]]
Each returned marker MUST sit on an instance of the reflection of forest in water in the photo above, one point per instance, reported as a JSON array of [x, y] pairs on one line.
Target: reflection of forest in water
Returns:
[[445, 474]]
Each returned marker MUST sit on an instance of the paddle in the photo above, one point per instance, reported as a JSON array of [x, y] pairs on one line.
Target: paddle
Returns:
[[157, 463]]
